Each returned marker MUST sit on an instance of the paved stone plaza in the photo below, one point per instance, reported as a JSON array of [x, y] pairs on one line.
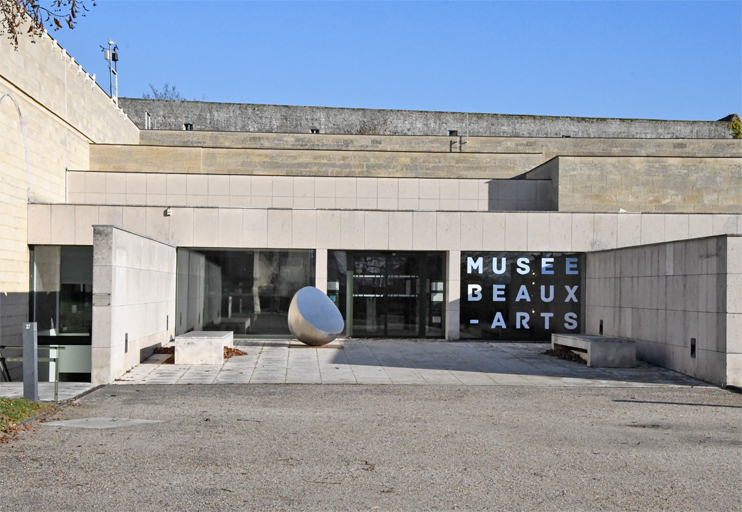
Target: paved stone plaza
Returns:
[[400, 362], [67, 390]]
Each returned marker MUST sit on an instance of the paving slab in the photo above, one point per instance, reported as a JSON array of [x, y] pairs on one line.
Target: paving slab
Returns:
[[67, 390], [402, 362]]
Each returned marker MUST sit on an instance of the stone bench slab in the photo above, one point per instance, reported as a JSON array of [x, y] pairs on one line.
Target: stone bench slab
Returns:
[[599, 351], [202, 347]]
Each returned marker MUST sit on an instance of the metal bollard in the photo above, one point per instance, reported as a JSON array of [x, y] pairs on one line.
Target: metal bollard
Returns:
[[30, 362]]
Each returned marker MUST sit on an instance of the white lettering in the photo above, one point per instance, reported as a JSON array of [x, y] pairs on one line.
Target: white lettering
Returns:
[[523, 266], [522, 319], [551, 293], [570, 321], [546, 317], [572, 266], [498, 292], [571, 290], [474, 265], [474, 293], [547, 265], [501, 270], [523, 294], [498, 321]]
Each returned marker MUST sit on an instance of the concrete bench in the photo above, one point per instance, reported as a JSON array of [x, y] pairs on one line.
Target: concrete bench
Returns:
[[598, 351], [202, 347]]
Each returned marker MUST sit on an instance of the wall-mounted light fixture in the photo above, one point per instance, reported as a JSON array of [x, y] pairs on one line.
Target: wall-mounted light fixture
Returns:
[[166, 212]]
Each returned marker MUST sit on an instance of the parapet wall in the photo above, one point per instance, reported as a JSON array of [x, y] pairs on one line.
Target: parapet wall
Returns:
[[245, 117]]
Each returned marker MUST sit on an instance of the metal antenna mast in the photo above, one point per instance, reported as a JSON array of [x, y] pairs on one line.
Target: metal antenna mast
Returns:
[[112, 56]]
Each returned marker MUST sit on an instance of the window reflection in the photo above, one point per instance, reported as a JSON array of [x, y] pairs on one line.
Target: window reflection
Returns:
[[61, 305], [394, 294], [247, 292]]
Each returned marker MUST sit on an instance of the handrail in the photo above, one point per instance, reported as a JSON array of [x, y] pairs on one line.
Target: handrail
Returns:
[[50, 359]]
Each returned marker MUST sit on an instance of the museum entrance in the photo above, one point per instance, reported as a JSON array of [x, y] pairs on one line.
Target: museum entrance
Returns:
[[388, 294]]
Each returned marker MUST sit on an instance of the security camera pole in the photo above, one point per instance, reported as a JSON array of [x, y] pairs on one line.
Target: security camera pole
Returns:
[[112, 56]]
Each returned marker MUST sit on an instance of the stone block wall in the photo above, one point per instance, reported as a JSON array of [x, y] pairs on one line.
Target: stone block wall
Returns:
[[548, 147], [134, 280], [63, 111], [645, 184], [344, 193], [300, 162], [664, 295]]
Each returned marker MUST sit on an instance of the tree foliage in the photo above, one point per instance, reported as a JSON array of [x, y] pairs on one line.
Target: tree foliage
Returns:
[[167, 92], [735, 126], [30, 17]]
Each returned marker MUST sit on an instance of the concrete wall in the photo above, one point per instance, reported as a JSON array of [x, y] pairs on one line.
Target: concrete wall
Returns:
[[645, 184], [275, 228], [133, 294], [308, 192], [299, 162], [63, 111], [663, 295], [171, 115], [547, 146]]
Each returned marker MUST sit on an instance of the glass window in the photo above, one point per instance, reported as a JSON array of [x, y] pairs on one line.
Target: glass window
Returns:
[[244, 291], [62, 293], [61, 304]]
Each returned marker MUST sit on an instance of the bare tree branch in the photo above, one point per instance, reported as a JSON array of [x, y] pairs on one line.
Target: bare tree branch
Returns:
[[167, 92], [14, 14]]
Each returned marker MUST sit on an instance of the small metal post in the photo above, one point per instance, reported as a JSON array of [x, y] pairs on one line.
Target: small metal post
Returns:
[[56, 374], [349, 303], [30, 362]]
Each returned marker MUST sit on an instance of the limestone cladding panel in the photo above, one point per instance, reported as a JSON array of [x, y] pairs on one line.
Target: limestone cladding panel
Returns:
[[734, 311], [344, 192], [350, 229], [666, 294], [138, 273]]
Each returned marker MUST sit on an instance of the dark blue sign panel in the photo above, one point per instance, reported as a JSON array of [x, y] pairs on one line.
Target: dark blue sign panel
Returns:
[[520, 296]]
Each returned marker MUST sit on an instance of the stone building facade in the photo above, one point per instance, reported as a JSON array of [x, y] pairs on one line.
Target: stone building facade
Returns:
[[129, 224]]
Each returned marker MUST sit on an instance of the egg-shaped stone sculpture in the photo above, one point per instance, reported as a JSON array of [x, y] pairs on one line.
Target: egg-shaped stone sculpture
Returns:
[[313, 317]]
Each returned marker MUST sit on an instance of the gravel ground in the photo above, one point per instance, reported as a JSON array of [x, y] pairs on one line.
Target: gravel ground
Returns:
[[384, 448]]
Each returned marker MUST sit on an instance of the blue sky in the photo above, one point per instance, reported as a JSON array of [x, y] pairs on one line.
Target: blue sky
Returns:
[[658, 60]]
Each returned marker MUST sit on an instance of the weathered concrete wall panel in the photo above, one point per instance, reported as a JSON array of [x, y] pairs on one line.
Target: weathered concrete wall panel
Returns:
[[172, 115]]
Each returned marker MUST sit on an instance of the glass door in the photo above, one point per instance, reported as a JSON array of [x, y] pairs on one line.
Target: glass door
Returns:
[[402, 294], [388, 294], [369, 283]]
